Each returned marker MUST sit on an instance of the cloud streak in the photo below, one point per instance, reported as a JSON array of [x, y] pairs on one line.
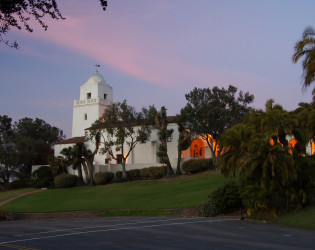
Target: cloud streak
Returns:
[[129, 45]]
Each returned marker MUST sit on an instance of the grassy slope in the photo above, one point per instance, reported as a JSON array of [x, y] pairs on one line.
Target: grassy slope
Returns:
[[304, 218], [5, 195], [166, 193]]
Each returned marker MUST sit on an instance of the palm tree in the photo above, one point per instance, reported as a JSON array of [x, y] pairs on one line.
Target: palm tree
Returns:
[[266, 170], [306, 48]]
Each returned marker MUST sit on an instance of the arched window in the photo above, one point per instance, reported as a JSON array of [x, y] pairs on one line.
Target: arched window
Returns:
[[197, 149]]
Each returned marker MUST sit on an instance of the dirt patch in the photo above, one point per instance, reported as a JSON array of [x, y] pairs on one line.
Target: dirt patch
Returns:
[[57, 215], [183, 212], [189, 212]]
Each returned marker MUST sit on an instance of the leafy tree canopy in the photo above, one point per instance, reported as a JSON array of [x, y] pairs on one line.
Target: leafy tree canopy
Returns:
[[25, 142], [209, 112], [18, 13], [125, 128]]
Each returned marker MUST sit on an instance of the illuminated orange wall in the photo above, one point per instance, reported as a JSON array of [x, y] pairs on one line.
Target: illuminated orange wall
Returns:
[[197, 149]]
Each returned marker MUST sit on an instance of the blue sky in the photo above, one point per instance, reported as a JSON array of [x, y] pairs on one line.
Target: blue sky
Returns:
[[154, 52]]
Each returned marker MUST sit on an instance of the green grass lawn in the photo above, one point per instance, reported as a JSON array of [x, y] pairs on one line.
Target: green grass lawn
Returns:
[[304, 218], [186, 191], [5, 195]]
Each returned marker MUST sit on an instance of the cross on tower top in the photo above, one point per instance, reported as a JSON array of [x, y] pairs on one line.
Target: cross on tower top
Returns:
[[96, 66]]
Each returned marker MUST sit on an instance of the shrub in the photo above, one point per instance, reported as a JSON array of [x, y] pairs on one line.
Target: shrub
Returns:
[[43, 171], [5, 216], [65, 180], [153, 172], [157, 172], [119, 176], [102, 178], [43, 177], [227, 199], [134, 174], [44, 182], [197, 165], [24, 183], [144, 173], [208, 209]]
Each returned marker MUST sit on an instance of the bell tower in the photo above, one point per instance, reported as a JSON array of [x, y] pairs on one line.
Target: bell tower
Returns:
[[95, 96]]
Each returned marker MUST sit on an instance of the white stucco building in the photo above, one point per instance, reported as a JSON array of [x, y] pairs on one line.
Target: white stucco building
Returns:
[[95, 95]]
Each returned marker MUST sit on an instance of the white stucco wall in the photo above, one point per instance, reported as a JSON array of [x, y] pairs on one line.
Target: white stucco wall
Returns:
[[143, 155]]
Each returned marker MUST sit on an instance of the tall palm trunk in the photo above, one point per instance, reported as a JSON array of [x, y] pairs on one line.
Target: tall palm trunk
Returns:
[[80, 177], [86, 172], [179, 158]]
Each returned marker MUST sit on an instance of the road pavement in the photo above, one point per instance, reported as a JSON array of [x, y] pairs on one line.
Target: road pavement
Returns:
[[152, 233]]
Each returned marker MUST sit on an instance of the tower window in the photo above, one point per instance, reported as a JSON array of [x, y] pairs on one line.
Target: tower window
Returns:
[[88, 96], [105, 96], [85, 116]]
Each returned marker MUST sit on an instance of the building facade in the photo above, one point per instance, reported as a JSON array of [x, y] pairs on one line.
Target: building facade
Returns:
[[95, 96]]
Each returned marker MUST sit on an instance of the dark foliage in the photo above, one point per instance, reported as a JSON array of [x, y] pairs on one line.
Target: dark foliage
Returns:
[[208, 209], [153, 172], [197, 165], [23, 183], [134, 174], [65, 180], [102, 178], [227, 199], [43, 177], [209, 112]]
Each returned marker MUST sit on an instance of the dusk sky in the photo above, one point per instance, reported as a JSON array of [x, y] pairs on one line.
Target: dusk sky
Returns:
[[154, 52]]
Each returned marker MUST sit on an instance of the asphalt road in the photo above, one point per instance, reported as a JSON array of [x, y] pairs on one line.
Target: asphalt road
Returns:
[[151, 233]]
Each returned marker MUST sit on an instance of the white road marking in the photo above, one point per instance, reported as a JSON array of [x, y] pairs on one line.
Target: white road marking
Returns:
[[78, 228], [117, 229], [287, 235]]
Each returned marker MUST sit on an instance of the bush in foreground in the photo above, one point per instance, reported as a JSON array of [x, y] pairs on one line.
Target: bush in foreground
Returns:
[[208, 209], [227, 199], [102, 178], [65, 180], [197, 165], [223, 200]]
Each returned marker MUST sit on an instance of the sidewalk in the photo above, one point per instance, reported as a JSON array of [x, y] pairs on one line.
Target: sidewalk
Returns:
[[20, 195]]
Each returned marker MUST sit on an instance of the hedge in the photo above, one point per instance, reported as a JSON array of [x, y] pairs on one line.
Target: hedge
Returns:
[[102, 178], [153, 172], [65, 180], [197, 165], [134, 174]]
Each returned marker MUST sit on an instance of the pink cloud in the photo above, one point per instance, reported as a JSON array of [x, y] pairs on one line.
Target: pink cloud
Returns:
[[127, 46]]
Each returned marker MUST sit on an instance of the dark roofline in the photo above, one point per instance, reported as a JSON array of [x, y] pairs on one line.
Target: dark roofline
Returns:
[[73, 140]]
